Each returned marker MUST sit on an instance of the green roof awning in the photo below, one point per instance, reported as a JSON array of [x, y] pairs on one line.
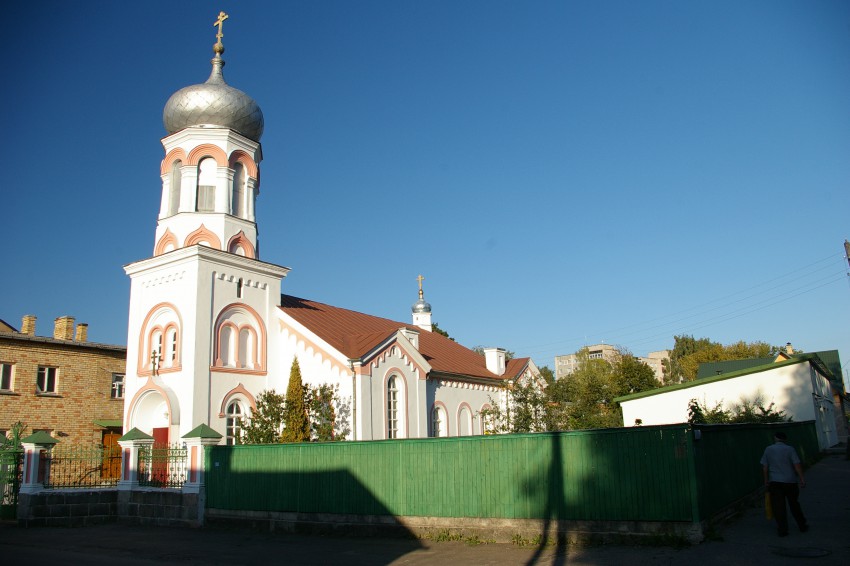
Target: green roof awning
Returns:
[[109, 423]]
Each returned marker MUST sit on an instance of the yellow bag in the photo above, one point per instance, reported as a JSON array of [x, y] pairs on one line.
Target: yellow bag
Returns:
[[768, 507]]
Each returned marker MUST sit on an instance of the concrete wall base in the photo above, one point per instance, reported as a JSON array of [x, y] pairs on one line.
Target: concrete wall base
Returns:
[[80, 508], [532, 531]]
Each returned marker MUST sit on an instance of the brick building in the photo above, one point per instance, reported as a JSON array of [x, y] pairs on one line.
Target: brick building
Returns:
[[65, 385]]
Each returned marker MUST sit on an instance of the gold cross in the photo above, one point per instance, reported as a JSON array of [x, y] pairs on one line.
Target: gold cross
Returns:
[[155, 358], [220, 22], [420, 279]]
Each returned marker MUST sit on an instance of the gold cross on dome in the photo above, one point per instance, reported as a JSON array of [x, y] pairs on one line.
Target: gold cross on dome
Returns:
[[420, 279], [220, 22]]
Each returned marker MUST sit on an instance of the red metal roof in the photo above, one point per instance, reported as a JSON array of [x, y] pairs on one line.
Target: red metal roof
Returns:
[[355, 334]]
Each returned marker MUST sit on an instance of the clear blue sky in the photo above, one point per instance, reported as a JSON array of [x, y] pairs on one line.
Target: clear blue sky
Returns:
[[560, 172]]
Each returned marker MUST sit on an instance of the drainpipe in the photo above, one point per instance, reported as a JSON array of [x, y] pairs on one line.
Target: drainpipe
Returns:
[[353, 399]]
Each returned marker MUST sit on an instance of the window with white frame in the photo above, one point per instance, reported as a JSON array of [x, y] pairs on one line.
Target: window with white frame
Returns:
[[206, 185], [174, 190], [237, 197], [117, 391], [392, 407], [237, 340], [46, 379], [464, 422], [6, 374], [233, 424], [161, 351]]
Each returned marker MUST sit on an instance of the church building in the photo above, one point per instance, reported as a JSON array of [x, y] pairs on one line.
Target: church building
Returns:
[[209, 328]]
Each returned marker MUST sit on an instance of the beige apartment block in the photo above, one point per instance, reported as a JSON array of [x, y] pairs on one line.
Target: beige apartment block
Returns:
[[567, 364], [63, 384]]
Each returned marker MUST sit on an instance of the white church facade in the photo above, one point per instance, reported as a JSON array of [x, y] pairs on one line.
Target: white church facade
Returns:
[[209, 328]]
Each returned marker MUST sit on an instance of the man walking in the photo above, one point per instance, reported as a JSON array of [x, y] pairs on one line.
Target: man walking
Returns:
[[782, 468]]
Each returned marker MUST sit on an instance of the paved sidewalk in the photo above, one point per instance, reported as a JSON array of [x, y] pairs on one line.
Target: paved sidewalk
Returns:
[[746, 539]]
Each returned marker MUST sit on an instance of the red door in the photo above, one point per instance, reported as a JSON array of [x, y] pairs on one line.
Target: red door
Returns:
[[160, 437], [159, 456]]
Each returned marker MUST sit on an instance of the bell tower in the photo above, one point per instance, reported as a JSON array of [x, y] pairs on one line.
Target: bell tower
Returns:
[[210, 173], [203, 307]]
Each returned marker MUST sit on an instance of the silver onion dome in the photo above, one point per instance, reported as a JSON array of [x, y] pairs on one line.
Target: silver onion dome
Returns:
[[214, 103], [421, 306]]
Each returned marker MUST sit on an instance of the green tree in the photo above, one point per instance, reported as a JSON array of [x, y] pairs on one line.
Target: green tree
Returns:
[[13, 440], [632, 375], [688, 353], [321, 407], [745, 411], [440, 331], [266, 420], [525, 410], [295, 418], [585, 399], [683, 345], [547, 374]]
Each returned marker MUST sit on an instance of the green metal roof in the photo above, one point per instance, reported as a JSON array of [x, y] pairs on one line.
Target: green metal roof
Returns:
[[109, 423], [202, 431], [40, 437], [710, 369], [811, 358], [136, 434]]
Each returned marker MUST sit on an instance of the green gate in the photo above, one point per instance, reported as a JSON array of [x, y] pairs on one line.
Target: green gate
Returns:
[[11, 469]]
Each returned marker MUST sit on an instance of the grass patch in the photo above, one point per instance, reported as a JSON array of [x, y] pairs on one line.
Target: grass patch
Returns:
[[446, 535]]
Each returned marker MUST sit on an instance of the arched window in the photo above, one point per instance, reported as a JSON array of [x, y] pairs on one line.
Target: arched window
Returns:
[[246, 349], [464, 422], [174, 192], [488, 420], [439, 426], [240, 340], [156, 348], [159, 341], [392, 408], [206, 185], [233, 424], [227, 349], [170, 347], [237, 195]]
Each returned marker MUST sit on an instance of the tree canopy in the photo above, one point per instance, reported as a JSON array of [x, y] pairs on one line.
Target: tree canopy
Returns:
[[266, 422], [688, 353], [582, 400], [295, 419]]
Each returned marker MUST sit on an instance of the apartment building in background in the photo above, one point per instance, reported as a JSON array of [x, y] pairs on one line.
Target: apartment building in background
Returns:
[[567, 364]]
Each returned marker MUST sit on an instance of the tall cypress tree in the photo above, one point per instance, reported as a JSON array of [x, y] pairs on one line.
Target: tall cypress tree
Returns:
[[294, 409]]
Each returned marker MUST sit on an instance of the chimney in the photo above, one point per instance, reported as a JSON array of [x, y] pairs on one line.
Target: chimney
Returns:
[[28, 325], [495, 358], [789, 349], [63, 328], [82, 332], [411, 335]]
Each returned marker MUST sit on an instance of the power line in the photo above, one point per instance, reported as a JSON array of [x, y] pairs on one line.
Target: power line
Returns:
[[675, 319]]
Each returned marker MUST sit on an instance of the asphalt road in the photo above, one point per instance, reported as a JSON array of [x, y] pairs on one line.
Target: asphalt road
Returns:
[[746, 539]]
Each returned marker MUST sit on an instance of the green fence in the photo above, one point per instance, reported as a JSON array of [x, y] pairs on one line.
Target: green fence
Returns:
[[658, 473], [727, 458]]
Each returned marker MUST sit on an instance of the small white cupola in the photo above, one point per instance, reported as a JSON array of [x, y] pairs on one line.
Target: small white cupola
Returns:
[[421, 309], [495, 359]]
